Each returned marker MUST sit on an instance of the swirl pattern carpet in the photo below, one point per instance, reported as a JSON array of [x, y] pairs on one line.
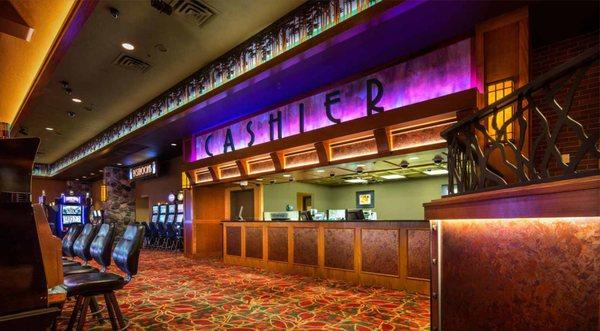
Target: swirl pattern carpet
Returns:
[[172, 292]]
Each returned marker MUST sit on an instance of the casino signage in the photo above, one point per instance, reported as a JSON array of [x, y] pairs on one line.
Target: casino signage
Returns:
[[441, 72], [143, 170]]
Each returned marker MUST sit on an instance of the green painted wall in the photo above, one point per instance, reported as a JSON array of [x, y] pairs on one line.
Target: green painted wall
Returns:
[[397, 200], [277, 196]]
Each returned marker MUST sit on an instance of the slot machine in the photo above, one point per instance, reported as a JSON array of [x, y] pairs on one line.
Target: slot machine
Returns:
[[154, 218], [171, 210], [71, 210], [179, 217], [162, 213]]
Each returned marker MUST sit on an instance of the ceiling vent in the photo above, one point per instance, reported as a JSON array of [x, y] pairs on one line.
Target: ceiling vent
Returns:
[[131, 63], [193, 12]]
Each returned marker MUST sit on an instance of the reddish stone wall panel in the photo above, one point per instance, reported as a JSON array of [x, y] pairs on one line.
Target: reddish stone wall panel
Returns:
[[521, 274]]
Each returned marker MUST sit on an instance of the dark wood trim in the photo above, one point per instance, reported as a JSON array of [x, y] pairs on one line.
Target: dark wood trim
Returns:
[[80, 12], [241, 167], [277, 161], [382, 139], [447, 104], [213, 173], [322, 153], [568, 198]]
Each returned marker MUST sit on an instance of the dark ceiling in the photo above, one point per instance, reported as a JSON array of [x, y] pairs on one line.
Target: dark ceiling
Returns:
[[398, 32], [172, 46]]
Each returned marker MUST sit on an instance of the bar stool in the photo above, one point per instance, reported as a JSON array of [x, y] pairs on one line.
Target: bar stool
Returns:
[[67, 244], [86, 286], [99, 250]]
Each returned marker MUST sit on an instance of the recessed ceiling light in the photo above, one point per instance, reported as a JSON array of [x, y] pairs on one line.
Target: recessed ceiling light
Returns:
[[320, 170], [50, 129], [361, 165], [356, 181], [91, 174], [76, 178], [128, 46], [393, 176], [173, 144], [412, 158], [100, 170], [435, 172], [119, 164], [259, 179], [84, 176], [76, 100], [287, 175]]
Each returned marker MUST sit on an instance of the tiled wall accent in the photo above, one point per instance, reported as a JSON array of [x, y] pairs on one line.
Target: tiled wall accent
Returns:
[[234, 240], [380, 251], [305, 246], [339, 248], [521, 274], [278, 244], [419, 254], [254, 242]]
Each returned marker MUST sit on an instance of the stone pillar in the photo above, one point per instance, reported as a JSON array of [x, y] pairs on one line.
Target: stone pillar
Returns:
[[119, 207]]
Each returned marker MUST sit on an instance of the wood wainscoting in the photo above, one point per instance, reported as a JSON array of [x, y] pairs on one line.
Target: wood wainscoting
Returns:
[[392, 254]]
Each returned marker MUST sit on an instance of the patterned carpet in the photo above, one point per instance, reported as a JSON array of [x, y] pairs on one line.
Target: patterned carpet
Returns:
[[175, 293]]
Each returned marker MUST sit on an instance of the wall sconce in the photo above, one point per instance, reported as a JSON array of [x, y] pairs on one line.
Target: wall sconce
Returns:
[[186, 184], [103, 192]]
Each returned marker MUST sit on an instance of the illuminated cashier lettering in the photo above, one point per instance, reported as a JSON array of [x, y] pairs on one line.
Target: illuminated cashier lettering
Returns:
[[330, 99], [372, 102]]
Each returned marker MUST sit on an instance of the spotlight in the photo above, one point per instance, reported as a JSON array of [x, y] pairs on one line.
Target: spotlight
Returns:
[[272, 181], [404, 164], [438, 159], [332, 174], [71, 114], [128, 46], [114, 12]]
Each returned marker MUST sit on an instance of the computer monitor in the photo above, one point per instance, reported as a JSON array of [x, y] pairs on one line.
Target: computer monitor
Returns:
[[355, 215], [306, 216], [336, 214]]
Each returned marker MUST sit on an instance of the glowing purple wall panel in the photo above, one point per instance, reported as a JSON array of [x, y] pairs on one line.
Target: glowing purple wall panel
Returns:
[[444, 71]]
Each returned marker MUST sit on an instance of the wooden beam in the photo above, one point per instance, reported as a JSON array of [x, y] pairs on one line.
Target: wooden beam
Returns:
[[382, 139], [12, 23], [277, 161], [322, 153], [213, 173], [242, 167]]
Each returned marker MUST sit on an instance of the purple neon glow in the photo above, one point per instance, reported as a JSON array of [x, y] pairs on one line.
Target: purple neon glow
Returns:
[[441, 72]]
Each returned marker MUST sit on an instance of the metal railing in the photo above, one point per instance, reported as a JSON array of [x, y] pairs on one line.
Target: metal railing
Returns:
[[526, 147]]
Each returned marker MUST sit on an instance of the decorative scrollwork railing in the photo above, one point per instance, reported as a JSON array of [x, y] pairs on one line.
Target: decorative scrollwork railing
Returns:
[[530, 145]]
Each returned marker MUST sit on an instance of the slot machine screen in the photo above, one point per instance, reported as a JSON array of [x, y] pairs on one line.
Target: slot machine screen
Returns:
[[180, 218], [154, 209], [163, 209], [71, 214], [180, 208], [162, 218], [72, 199], [171, 209]]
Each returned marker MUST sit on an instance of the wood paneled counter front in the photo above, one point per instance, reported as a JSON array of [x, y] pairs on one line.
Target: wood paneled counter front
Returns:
[[392, 254]]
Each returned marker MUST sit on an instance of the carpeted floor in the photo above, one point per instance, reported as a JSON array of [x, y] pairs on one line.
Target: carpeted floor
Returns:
[[175, 293]]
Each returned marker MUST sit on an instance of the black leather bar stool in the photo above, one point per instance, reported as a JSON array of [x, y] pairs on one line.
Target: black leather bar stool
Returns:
[[99, 250], [86, 286], [67, 244]]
